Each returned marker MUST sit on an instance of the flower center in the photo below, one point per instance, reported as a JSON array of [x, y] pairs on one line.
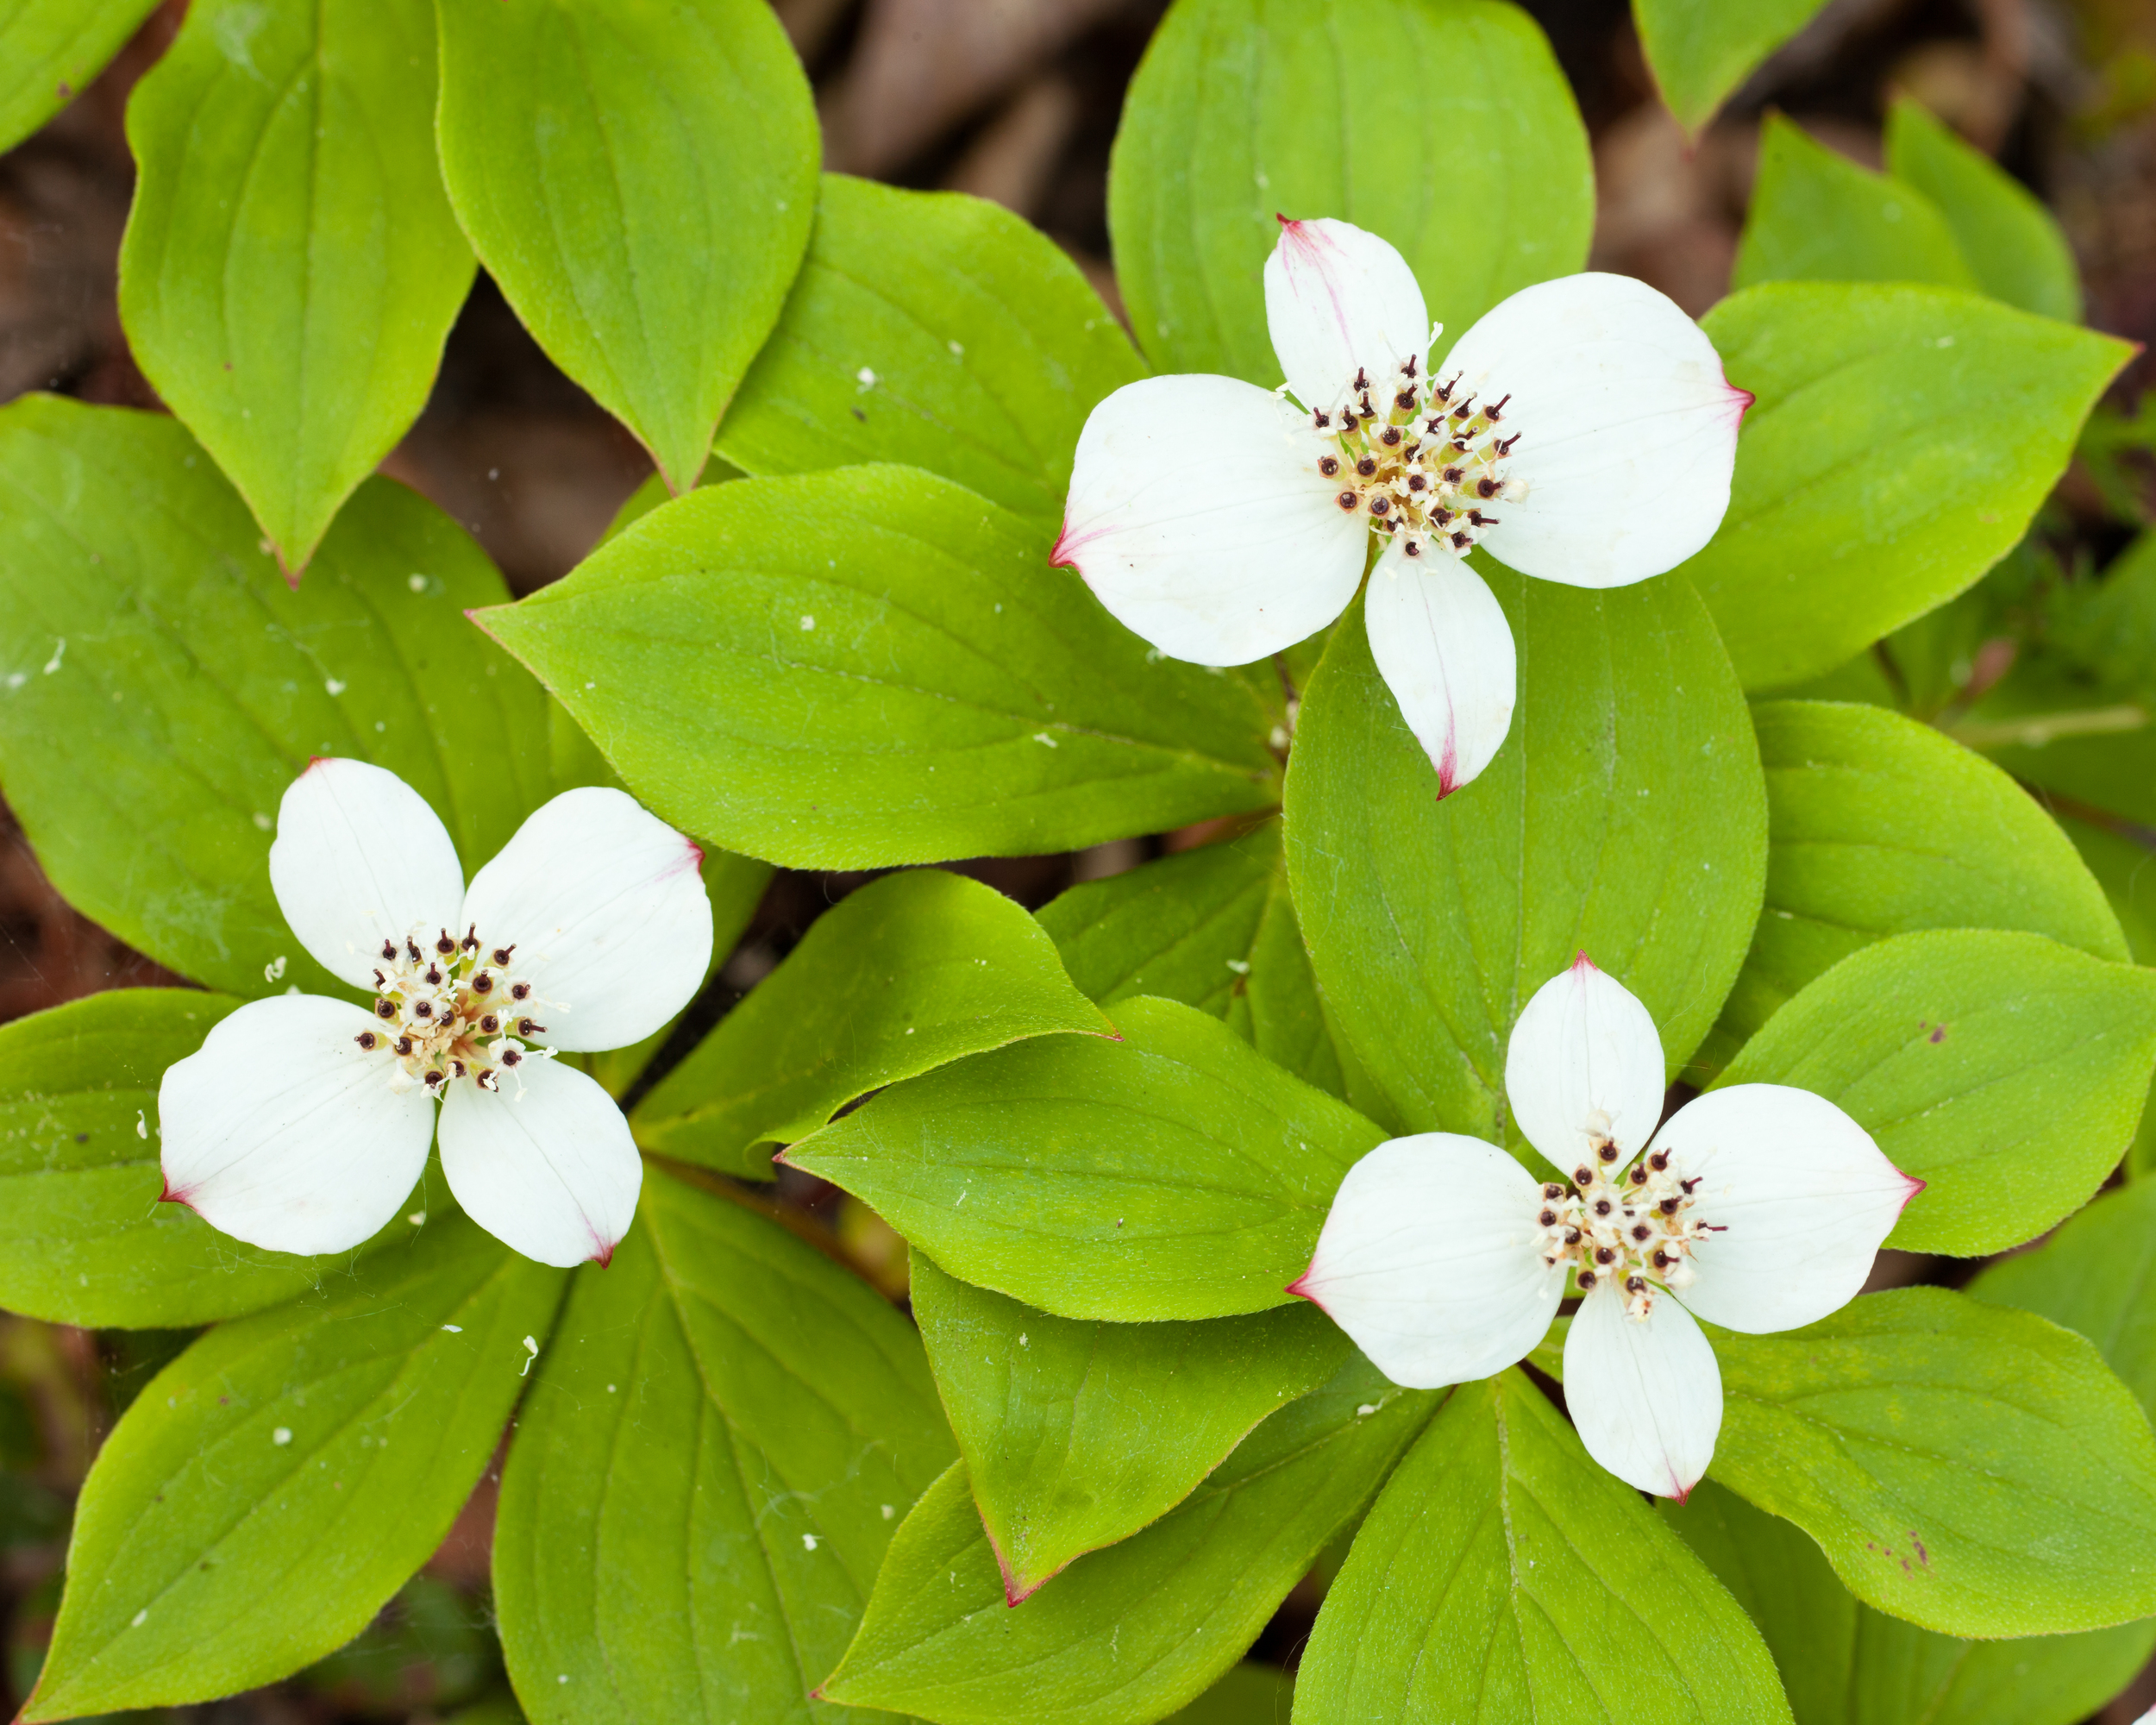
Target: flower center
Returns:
[[1636, 1233], [1419, 458], [451, 1008]]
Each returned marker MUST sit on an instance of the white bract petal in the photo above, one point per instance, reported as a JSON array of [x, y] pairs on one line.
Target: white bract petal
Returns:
[[359, 860], [1339, 300], [1428, 1260], [282, 1131], [1584, 1066], [1198, 516], [545, 1163], [606, 913], [1443, 645], [1627, 428], [1645, 1394], [1799, 1198]]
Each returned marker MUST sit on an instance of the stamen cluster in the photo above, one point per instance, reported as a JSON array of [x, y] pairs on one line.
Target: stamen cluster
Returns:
[[1636, 1231], [1423, 462], [452, 1009]]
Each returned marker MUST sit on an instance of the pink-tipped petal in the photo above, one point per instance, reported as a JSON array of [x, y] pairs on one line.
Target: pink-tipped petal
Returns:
[[1198, 517], [1803, 1195], [1627, 428], [1646, 1396], [1443, 645], [1584, 1043], [360, 858], [608, 915], [546, 1164], [282, 1131], [1338, 299], [1428, 1260]]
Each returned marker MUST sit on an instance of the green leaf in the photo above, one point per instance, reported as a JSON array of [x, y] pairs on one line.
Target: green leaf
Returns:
[[161, 686], [714, 1457], [1133, 1632], [1700, 50], [2096, 1275], [1845, 1664], [1973, 1469], [1174, 1174], [639, 177], [2008, 238], [50, 49], [1078, 1435], [935, 329], [1901, 441], [1816, 215], [83, 1238], [291, 267], [2003, 1069], [1247, 1693], [1502, 1574], [278, 1481], [1624, 817], [1878, 826], [1245, 110], [908, 973], [875, 665]]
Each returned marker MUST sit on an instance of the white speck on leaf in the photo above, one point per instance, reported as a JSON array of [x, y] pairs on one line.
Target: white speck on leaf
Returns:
[[808, 1542], [336, 688], [418, 1219], [1240, 966], [142, 1124], [865, 378], [58, 651], [262, 822], [139, 1618], [888, 1512], [531, 1349], [274, 970], [453, 1329], [807, 622], [281, 1436], [1043, 736]]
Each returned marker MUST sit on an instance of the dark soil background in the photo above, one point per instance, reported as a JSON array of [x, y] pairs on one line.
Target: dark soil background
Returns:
[[1015, 100]]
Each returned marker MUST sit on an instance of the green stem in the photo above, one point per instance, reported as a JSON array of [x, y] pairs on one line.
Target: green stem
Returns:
[[2035, 730]]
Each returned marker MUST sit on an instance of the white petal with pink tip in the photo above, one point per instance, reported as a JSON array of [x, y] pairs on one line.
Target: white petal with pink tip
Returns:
[[1198, 517], [1584, 1052], [545, 1164], [282, 1131], [360, 858], [1443, 645], [607, 912], [1427, 1260], [1628, 428], [1645, 1394], [1800, 1198], [1338, 299]]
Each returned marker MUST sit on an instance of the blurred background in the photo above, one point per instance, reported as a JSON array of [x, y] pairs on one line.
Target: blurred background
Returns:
[[1017, 101]]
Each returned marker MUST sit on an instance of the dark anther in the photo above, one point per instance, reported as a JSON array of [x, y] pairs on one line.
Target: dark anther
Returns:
[[434, 1081], [1417, 482], [1571, 1237], [1454, 475], [1431, 424], [1320, 416], [1465, 410], [1379, 505], [1658, 1160], [1638, 1176], [389, 952], [1407, 367], [526, 1027], [1582, 1174], [482, 983], [1587, 1279], [1503, 445], [1367, 466], [1548, 1218], [501, 953], [1635, 1284], [434, 975], [518, 991], [1444, 516], [1328, 466], [1604, 1254], [1668, 1206], [1346, 499], [404, 1044], [1460, 541], [381, 983], [368, 1040], [1362, 380], [1390, 436], [1608, 1151], [1603, 1206], [1552, 1189], [1444, 391], [1414, 548], [1486, 488], [446, 944], [457, 1067], [1640, 1230], [422, 1009], [383, 1009], [1369, 412], [1689, 1184], [1404, 401], [412, 948], [471, 941], [1493, 414], [512, 1057], [489, 1024], [1662, 1259]]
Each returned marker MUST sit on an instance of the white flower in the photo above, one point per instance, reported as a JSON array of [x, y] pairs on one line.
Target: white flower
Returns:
[[303, 1122], [1584, 428], [1758, 1208]]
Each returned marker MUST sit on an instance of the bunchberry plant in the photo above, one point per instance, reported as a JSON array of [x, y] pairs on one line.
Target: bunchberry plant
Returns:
[[1296, 1221]]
